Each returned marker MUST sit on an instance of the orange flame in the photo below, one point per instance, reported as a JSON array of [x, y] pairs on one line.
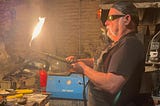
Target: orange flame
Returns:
[[37, 29]]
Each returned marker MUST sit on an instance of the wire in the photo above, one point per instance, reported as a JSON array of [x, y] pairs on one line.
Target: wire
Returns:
[[84, 90], [147, 53], [155, 36]]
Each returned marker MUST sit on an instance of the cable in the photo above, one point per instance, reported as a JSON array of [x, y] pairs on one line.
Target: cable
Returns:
[[155, 36], [147, 53], [84, 90]]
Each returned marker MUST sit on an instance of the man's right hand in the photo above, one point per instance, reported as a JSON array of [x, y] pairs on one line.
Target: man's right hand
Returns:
[[71, 59]]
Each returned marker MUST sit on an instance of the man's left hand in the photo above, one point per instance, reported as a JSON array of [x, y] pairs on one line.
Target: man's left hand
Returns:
[[78, 67]]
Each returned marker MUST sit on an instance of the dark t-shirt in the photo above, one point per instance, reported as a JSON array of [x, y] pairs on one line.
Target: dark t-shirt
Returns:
[[126, 58]]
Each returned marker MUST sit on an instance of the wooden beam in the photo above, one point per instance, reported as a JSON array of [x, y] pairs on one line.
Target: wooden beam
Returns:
[[138, 5], [148, 5]]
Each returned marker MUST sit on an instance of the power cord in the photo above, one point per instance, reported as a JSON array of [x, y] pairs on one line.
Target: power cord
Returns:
[[84, 90]]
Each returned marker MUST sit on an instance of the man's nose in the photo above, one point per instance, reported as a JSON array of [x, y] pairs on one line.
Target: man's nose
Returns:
[[106, 23]]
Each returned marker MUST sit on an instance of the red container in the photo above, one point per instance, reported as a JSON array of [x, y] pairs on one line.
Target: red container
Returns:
[[43, 79]]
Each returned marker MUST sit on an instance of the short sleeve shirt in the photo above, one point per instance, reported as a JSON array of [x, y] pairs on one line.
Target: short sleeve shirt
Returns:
[[126, 58]]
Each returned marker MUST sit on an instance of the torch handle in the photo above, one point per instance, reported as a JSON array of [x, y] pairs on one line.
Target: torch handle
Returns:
[[54, 57]]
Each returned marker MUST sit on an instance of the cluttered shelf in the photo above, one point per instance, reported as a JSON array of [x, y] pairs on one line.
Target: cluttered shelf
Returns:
[[25, 97], [152, 66]]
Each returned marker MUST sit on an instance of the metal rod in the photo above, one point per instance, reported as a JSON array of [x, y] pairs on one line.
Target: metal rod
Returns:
[[53, 56]]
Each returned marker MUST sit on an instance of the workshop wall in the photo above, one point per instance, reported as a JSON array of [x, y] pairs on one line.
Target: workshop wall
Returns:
[[71, 27]]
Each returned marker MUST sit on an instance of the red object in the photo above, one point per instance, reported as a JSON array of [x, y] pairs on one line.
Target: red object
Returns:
[[99, 13], [43, 78]]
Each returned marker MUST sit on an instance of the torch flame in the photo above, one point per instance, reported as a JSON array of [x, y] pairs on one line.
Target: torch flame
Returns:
[[37, 29]]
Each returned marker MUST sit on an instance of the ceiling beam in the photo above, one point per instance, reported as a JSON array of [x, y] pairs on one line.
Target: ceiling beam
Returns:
[[138, 5]]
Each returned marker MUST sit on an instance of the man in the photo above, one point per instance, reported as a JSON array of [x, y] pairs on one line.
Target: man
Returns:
[[116, 76]]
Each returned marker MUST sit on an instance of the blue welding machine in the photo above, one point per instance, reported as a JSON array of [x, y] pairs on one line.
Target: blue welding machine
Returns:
[[73, 86]]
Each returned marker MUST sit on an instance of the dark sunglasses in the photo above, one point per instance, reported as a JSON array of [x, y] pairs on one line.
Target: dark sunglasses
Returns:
[[113, 17]]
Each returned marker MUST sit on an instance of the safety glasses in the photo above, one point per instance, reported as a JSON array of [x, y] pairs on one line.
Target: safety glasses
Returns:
[[113, 17]]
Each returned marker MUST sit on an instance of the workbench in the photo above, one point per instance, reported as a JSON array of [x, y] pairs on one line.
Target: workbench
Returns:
[[34, 99], [40, 99]]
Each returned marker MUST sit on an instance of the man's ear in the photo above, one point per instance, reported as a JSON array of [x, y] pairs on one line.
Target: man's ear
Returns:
[[127, 19]]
